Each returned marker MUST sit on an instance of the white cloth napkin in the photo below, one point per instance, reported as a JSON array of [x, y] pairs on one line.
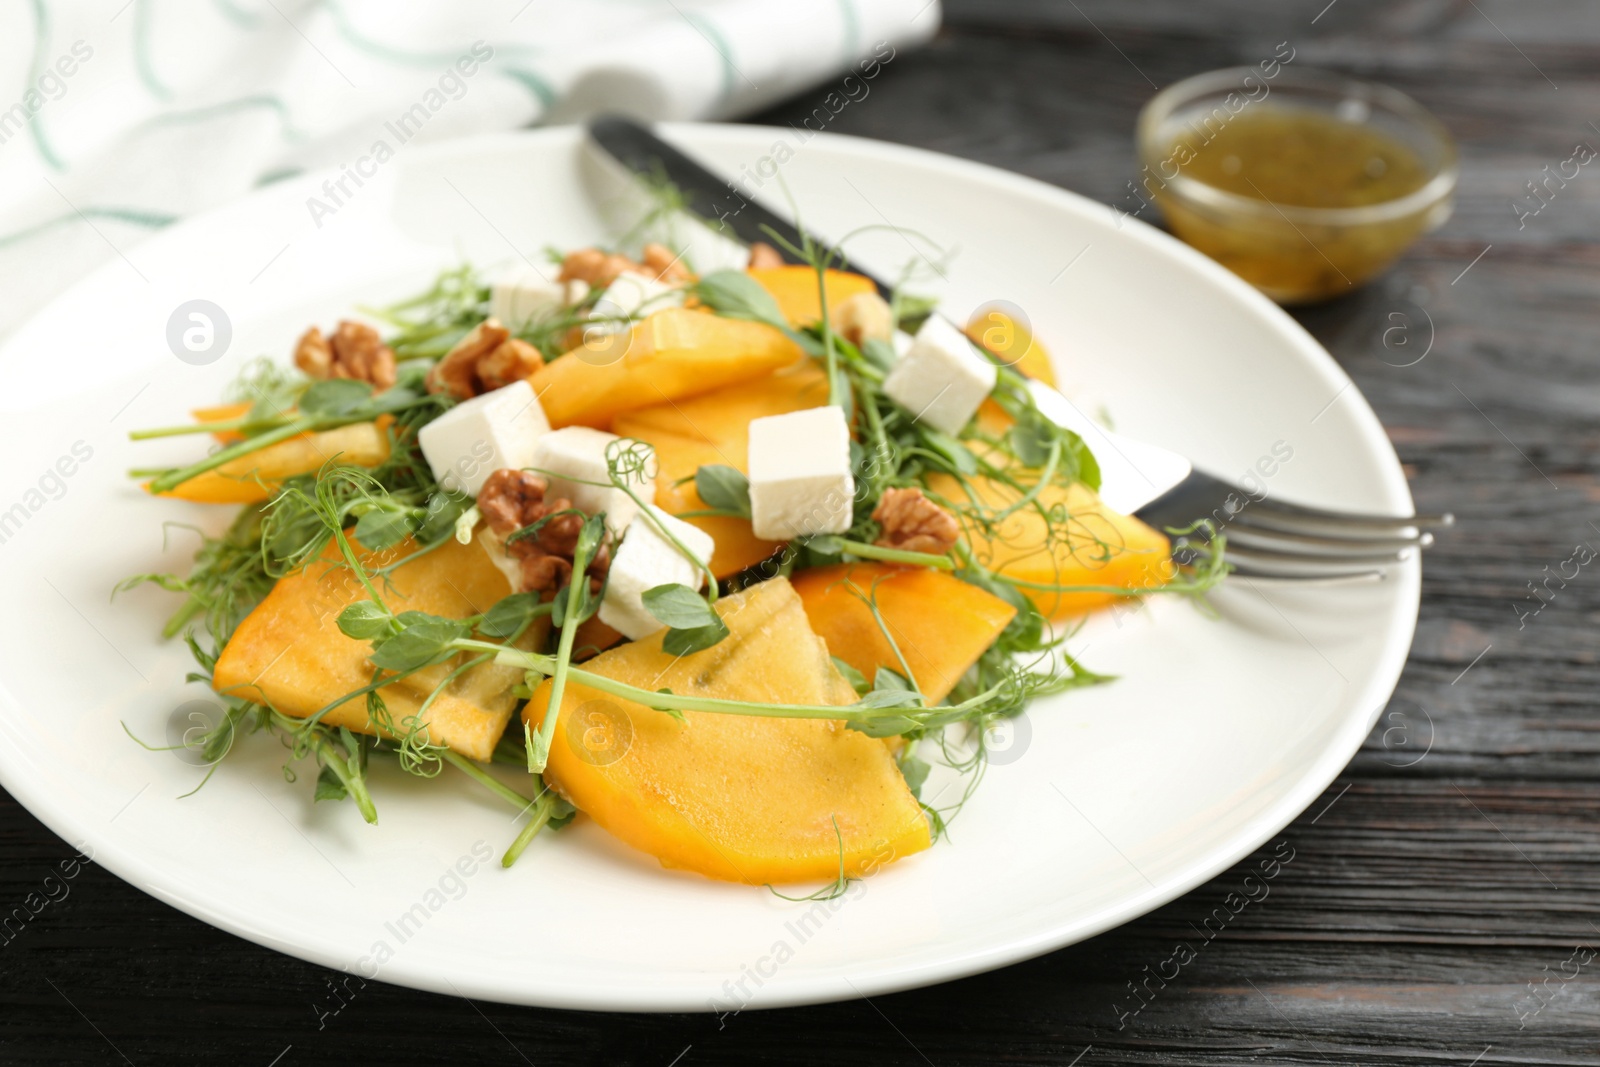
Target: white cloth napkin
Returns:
[[119, 117]]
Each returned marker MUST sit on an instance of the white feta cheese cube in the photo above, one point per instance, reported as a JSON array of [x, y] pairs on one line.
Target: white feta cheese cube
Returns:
[[576, 290], [648, 558], [525, 296], [800, 481], [574, 457], [902, 343], [480, 436], [941, 379], [632, 296]]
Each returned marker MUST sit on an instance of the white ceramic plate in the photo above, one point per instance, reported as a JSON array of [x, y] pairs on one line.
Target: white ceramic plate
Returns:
[[1111, 801]]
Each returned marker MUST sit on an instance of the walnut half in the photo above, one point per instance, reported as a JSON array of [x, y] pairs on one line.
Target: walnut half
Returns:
[[354, 351], [863, 317], [764, 257], [511, 500], [914, 523], [599, 269], [486, 359]]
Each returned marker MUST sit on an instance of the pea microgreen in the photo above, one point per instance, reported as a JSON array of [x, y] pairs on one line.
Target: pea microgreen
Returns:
[[693, 625], [724, 488], [577, 603], [735, 294], [512, 614]]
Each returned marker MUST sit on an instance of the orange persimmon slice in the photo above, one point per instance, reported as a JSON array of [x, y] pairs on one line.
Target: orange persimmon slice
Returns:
[[940, 624], [737, 797]]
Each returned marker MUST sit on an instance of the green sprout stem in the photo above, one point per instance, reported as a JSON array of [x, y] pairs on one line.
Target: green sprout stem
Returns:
[[354, 783], [896, 555], [174, 478], [542, 809], [349, 555], [871, 601], [830, 354], [183, 616], [461, 669], [619, 482], [293, 428], [539, 752], [1046, 476], [245, 425], [484, 778], [316, 717], [547, 665], [683, 549]]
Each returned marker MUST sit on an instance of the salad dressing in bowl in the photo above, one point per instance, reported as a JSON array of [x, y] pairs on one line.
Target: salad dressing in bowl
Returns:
[[1307, 191]]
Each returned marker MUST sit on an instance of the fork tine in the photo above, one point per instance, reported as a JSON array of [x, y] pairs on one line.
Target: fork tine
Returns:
[[1204, 496], [1308, 575], [1261, 561], [1245, 564], [1244, 535], [1299, 517], [1257, 556]]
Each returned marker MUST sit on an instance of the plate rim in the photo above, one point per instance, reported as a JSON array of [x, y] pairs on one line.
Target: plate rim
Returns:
[[127, 864]]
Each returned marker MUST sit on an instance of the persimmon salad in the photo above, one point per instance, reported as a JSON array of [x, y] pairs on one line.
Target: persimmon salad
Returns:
[[726, 546]]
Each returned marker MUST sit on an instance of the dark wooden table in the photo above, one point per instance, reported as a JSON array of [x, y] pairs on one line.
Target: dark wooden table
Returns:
[[1438, 910]]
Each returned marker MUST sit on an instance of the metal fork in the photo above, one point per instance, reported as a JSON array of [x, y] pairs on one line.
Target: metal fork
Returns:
[[1266, 537], [1269, 538]]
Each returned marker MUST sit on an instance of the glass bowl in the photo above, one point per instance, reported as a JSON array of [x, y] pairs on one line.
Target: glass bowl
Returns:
[[1295, 253]]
